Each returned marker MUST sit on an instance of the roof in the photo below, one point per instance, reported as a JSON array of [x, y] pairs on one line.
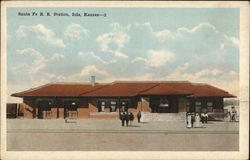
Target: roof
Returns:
[[59, 90], [125, 89]]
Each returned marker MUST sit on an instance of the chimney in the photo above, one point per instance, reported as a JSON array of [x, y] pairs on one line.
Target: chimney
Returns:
[[93, 80]]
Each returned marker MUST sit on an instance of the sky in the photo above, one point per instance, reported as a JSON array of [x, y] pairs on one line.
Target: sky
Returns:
[[199, 45]]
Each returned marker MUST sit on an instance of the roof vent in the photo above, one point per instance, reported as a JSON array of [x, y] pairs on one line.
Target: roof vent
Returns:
[[93, 80]]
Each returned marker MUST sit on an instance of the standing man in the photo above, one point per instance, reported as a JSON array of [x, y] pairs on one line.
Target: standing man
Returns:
[[122, 118], [131, 118], [139, 116], [192, 119], [206, 117], [127, 118]]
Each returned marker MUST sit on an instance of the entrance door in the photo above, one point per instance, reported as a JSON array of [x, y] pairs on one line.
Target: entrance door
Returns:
[[40, 112], [43, 106], [69, 105], [154, 104]]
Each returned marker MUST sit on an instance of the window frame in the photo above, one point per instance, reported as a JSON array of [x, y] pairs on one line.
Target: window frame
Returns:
[[210, 107], [198, 106]]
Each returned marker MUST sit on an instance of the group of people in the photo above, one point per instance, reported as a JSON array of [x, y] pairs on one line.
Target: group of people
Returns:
[[129, 118], [232, 114], [194, 119]]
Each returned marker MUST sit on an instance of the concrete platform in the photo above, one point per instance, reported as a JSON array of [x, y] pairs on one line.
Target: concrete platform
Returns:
[[98, 125]]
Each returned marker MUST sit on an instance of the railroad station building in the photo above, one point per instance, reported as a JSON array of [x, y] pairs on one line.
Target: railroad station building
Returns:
[[106, 100]]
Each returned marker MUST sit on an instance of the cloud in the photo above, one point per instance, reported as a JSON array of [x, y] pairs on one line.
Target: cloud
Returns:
[[112, 42], [88, 70], [118, 39], [182, 31], [98, 58], [39, 61], [75, 31], [136, 59], [42, 33], [157, 58], [228, 81], [56, 56], [120, 54], [235, 41]]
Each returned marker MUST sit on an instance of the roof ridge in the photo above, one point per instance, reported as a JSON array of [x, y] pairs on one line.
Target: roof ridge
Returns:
[[134, 81]]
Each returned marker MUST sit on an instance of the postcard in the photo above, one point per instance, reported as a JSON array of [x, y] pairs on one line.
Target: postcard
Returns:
[[124, 80]]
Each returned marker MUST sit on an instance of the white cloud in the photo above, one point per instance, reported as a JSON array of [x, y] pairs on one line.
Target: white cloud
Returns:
[[39, 61], [20, 32], [120, 54], [136, 59], [75, 31], [112, 38], [162, 35], [98, 58], [200, 26], [235, 41], [43, 33], [222, 45], [112, 42], [92, 69], [56, 56], [157, 58], [230, 82]]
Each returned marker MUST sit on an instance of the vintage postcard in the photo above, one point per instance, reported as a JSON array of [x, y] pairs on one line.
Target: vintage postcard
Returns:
[[124, 80]]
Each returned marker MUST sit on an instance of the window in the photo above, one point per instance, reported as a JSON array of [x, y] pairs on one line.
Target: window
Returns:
[[198, 107], [112, 106], [124, 106], [210, 106], [101, 106], [164, 102]]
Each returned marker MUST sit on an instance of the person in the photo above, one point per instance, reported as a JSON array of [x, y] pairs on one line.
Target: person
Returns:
[[192, 119], [131, 118], [127, 118], [189, 125], [139, 117], [206, 117], [197, 120], [202, 118], [233, 114], [122, 118]]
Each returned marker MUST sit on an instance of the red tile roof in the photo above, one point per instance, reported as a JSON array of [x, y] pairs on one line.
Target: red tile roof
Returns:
[[121, 89], [59, 90], [125, 89]]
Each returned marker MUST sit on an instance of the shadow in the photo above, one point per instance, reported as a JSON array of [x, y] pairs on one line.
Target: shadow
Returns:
[[144, 122], [134, 126]]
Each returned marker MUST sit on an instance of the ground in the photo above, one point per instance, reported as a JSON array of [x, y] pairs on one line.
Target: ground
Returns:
[[108, 135]]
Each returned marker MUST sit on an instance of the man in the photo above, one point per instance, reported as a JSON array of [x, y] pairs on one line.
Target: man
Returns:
[[139, 116], [122, 118], [234, 113], [192, 119], [127, 118], [131, 118]]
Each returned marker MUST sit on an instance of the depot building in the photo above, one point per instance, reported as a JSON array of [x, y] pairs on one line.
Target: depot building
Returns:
[[107, 100]]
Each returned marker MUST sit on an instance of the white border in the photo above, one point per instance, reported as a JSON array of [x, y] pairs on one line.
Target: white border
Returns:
[[244, 85]]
